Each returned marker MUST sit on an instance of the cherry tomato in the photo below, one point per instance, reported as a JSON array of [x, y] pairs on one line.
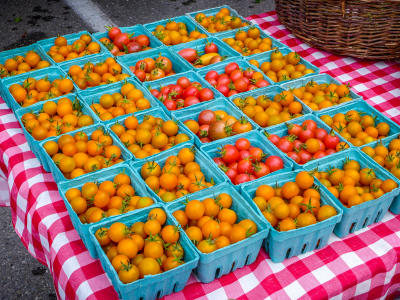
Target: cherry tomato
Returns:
[[274, 163], [229, 154]]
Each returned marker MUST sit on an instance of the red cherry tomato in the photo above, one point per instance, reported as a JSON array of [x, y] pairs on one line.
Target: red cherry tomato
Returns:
[[310, 124], [261, 170], [229, 153], [242, 144], [229, 68], [245, 166], [274, 163], [212, 75], [241, 178], [184, 82], [206, 95], [320, 133], [331, 140]]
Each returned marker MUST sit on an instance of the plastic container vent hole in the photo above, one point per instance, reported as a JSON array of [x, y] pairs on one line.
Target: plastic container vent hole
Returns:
[[267, 247], [159, 294], [365, 223], [218, 273], [319, 243], [141, 298], [353, 227], [377, 217], [304, 248], [176, 286], [289, 252], [234, 266]]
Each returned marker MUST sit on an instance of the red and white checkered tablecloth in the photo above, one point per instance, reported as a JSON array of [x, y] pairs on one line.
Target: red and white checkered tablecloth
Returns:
[[364, 265]]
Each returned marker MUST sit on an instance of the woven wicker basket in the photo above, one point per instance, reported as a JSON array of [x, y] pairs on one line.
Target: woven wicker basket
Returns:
[[367, 29]]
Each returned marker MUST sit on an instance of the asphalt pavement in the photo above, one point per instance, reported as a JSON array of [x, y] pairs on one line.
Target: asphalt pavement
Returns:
[[27, 21]]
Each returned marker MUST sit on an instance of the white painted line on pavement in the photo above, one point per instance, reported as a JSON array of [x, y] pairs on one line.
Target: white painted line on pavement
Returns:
[[91, 14]]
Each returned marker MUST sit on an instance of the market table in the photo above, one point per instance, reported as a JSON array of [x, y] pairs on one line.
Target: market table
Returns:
[[363, 265]]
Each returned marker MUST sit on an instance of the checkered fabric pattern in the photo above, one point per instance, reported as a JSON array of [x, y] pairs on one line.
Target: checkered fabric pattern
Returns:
[[364, 265]]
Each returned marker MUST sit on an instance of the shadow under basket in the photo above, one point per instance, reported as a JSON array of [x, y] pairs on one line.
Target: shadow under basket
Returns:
[[363, 29]]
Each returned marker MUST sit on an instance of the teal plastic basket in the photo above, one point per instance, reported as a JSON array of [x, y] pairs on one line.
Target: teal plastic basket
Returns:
[[46, 44], [157, 113], [318, 78], [94, 59], [101, 176], [263, 35], [135, 30], [235, 256], [51, 72], [179, 65], [152, 286], [91, 96], [199, 45], [255, 138], [59, 176], [266, 56], [34, 144], [284, 245], [395, 207], [22, 51], [366, 213], [193, 114], [270, 92], [281, 130], [220, 69], [212, 12], [190, 24], [192, 76], [362, 106], [209, 170]]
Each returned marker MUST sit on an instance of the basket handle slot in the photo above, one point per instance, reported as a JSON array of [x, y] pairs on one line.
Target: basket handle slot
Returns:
[[159, 294], [248, 259], [234, 265], [267, 247], [319, 244], [289, 253], [176, 287], [353, 227], [141, 298], [365, 222], [218, 273], [377, 216], [304, 250]]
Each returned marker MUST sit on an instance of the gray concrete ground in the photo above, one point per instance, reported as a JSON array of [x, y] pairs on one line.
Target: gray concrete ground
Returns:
[[27, 21]]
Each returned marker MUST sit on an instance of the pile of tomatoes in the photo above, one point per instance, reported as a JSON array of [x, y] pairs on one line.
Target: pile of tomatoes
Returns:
[[357, 127], [21, 64], [211, 224], [77, 155], [250, 42], [121, 43], [267, 112], [306, 142], [31, 91], [61, 51], [282, 67], [215, 125], [243, 162], [95, 201], [143, 249], [150, 137], [150, 69], [91, 75], [222, 21], [324, 95], [128, 100], [294, 205], [182, 94], [55, 119], [210, 57], [353, 185], [235, 80], [174, 33], [180, 176], [387, 157]]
